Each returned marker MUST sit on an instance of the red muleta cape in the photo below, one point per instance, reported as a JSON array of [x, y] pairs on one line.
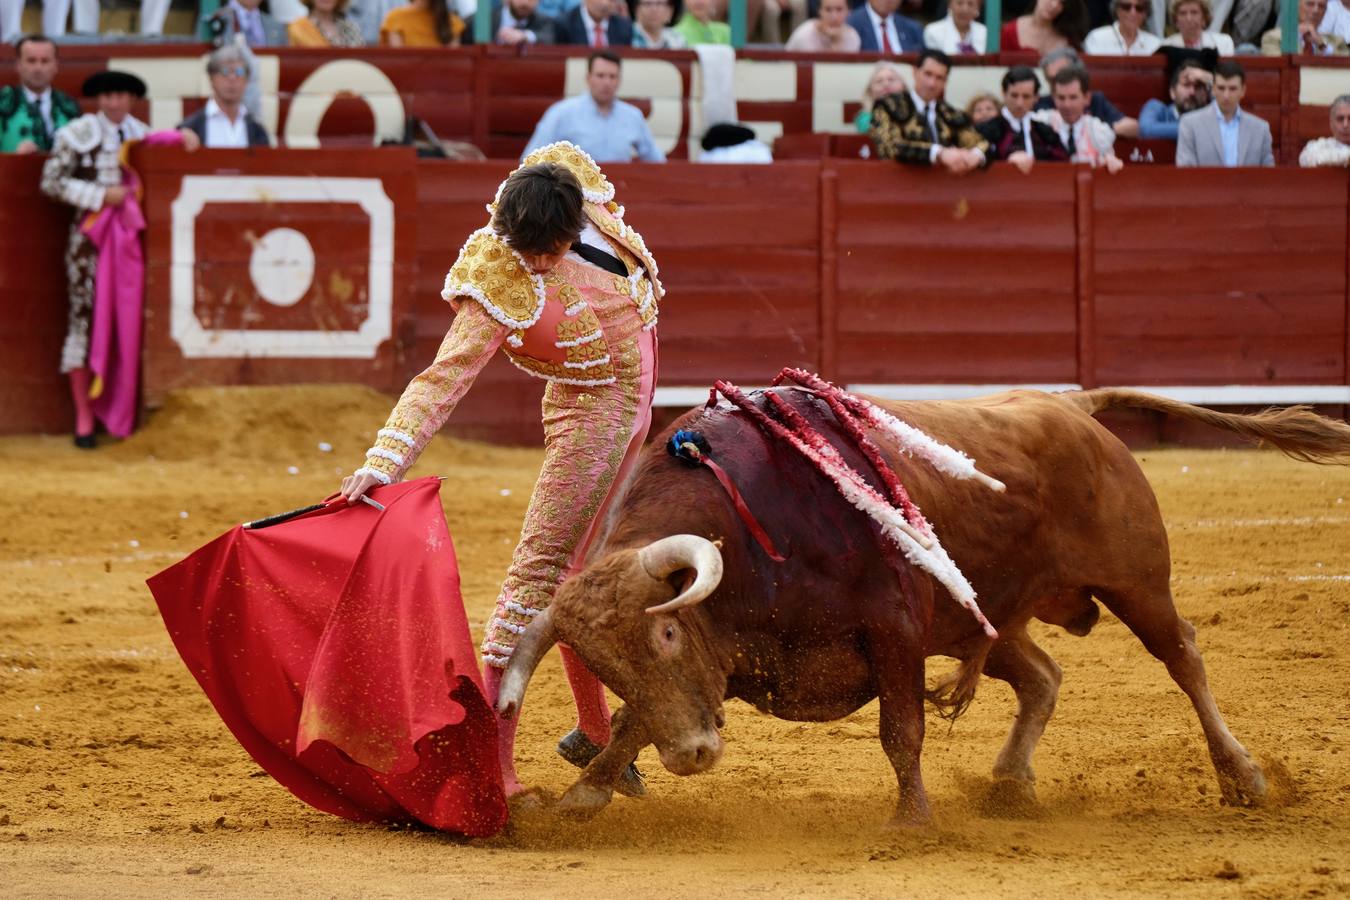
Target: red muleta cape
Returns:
[[335, 647]]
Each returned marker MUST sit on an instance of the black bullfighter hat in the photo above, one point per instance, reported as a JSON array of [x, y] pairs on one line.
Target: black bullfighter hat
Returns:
[[111, 81]]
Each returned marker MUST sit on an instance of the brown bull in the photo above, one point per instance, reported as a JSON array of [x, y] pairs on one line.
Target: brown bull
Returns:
[[673, 626]]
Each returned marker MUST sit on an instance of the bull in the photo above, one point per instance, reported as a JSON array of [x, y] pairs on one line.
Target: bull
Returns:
[[678, 609]]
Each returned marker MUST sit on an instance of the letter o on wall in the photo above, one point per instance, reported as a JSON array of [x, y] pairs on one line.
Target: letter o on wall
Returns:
[[312, 99]]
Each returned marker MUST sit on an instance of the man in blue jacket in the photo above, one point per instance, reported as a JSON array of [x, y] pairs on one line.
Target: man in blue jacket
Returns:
[[883, 30], [1192, 86]]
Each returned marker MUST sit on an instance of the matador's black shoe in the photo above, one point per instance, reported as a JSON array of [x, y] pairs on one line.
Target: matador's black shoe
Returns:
[[579, 750], [85, 441]]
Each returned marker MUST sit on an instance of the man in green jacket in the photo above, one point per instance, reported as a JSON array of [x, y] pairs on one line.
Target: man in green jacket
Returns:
[[31, 111]]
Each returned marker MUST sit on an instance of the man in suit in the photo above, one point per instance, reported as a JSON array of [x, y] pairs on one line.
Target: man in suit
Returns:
[[883, 30], [1014, 135], [32, 110], [592, 24], [519, 22], [224, 122], [920, 128], [1221, 134]]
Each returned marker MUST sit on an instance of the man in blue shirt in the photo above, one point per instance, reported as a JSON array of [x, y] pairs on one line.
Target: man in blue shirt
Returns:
[[597, 122], [1192, 85]]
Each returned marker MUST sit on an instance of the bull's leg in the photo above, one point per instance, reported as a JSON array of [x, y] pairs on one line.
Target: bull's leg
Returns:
[[595, 788], [1035, 678], [899, 673], [1154, 620]]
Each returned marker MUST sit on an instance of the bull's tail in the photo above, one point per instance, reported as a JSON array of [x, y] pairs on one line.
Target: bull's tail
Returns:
[[952, 695], [1296, 430]]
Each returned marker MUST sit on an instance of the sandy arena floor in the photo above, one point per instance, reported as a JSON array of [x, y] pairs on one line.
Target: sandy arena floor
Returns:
[[117, 778]]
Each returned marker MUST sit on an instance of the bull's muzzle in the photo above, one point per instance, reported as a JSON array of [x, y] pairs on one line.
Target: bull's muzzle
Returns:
[[694, 754]]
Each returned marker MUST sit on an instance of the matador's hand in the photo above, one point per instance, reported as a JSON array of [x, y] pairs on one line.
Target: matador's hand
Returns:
[[354, 486]]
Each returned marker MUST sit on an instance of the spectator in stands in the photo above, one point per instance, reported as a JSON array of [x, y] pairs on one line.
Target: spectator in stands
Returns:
[[1050, 25], [697, 26], [597, 122], [243, 18], [517, 22], [958, 33], [32, 110], [1087, 138], [651, 24], [830, 31], [223, 122], [1126, 36], [369, 16], [327, 25], [920, 127], [885, 79], [598, 24], [1014, 135], [1191, 19], [1098, 106], [1334, 150], [56, 13], [421, 23], [11, 20], [1336, 21], [1221, 134], [1311, 40], [982, 107], [884, 30], [1191, 88]]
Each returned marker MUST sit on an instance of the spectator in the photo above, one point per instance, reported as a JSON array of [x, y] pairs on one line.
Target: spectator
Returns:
[[696, 26], [223, 122], [11, 20], [1087, 138], [1191, 18], [1221, 134], [1336, 21], [884, 30], [1191, 88], [1126, 36], [327, 25], [605, 127], [982, 107], [1050, 25], [1014, 134], [730, 142], [369, 16], [885, 79], [32, 111], [56, 13], [420, 23], [1099, 107], [958, 33], [596, 23], [1311, 40], [243, 18], [919, 127], [518, 22], [651, 24], [829, 32], [1334, 150]]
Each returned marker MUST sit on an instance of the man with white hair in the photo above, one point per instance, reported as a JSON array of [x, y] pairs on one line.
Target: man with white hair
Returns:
[[1334, 150], [224, 122]]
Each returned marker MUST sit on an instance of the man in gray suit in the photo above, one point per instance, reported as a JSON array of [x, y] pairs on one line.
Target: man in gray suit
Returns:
[[1221, 134]]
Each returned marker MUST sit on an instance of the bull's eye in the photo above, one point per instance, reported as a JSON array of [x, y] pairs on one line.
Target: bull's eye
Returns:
[[666, 636], [670, 632]]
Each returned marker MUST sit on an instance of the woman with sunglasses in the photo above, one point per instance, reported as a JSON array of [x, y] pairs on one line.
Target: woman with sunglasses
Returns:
[[1126, 36]]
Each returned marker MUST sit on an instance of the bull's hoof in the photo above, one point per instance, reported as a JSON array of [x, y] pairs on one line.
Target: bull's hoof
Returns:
[[582, 801], [1010, 798], [579, 750], [527, 802], [1244, 788]]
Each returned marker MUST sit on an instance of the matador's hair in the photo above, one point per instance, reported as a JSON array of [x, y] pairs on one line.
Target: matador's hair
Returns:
[[539, 209]]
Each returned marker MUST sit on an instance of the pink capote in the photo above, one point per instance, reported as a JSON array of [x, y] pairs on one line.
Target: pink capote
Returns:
[[119, 293], [336, 649]]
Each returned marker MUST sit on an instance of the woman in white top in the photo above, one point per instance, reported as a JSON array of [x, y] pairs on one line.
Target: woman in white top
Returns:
[[959, 32], [1191, 18], [1125, 36]]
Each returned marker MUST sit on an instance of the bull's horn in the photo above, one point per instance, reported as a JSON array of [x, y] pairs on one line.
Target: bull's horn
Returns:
[[683, 551], [538, 639]]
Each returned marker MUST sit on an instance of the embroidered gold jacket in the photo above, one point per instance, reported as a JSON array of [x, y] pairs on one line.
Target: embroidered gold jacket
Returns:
[[554, 334], [899, 131]]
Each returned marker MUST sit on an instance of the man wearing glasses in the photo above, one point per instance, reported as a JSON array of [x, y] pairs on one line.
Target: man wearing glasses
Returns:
[[224, 122], [1192, 88]]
